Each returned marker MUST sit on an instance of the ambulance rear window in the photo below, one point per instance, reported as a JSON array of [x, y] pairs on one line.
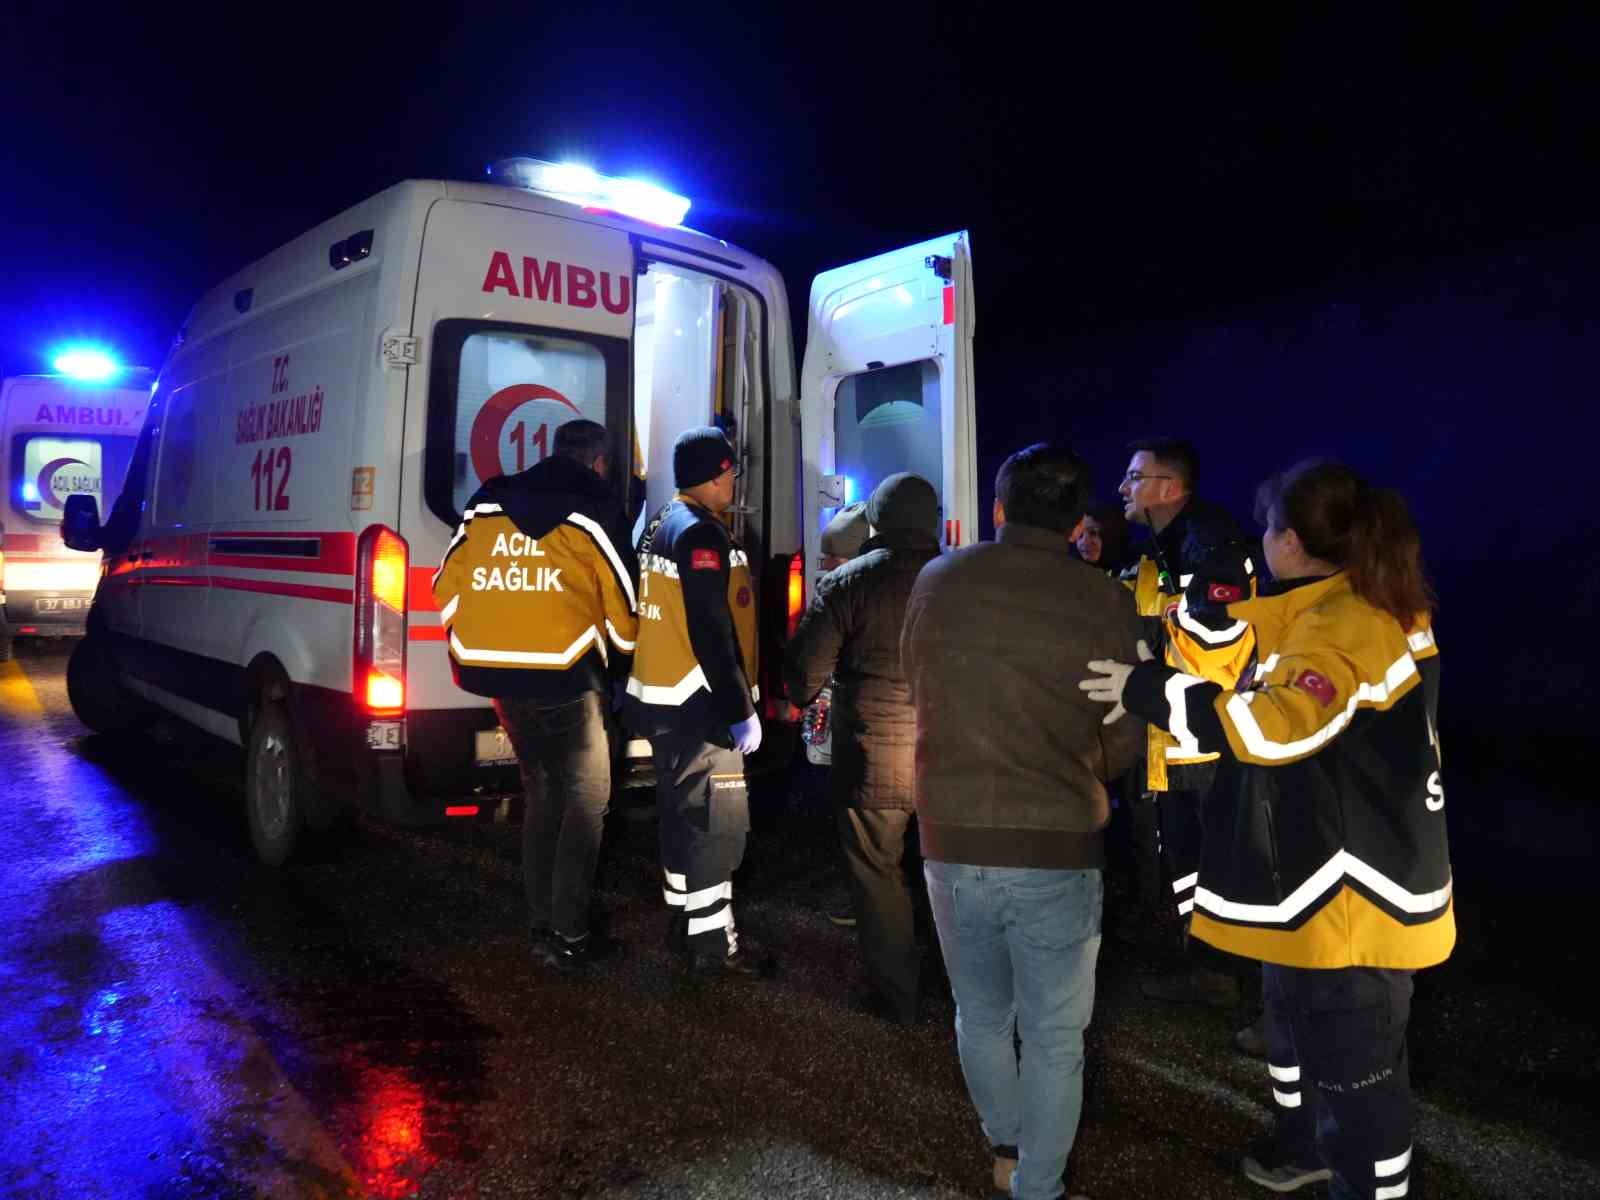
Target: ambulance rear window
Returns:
[[497, 395], [46, 468]]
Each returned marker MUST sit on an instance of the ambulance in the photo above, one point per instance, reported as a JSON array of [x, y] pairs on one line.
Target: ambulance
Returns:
[[326, 412], [58, 435]]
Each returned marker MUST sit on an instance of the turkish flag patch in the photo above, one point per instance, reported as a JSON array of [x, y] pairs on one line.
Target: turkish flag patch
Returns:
[[1224, 593], [1317, 687], [705, 560]]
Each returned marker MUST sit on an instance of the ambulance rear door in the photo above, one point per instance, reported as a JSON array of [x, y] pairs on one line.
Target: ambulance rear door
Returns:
[[886, 385], [523, 321]]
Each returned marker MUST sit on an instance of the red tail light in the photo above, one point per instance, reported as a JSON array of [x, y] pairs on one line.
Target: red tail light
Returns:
[[382, 571], [797, 590]]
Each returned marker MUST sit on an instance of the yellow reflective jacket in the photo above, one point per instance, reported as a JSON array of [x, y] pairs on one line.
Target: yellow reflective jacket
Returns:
[[537, 584], [1325, 842], [1208, 566], [696, 657]]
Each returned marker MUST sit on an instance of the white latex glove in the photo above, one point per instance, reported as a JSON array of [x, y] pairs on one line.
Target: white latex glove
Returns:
[[747, 734], [1110, 678]]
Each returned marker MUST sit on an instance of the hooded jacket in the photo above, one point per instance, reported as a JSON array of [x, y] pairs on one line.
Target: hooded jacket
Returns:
[[536, 589], [850, 632], [1325, 842]]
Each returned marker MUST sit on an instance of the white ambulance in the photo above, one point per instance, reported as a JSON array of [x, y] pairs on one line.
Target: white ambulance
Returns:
[[328, 410], [58, 435]]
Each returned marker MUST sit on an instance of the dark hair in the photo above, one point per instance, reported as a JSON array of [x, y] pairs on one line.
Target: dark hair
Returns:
[[1043, 485], [1175, 455], [1364, 530], [581, 440], [1113, 533]]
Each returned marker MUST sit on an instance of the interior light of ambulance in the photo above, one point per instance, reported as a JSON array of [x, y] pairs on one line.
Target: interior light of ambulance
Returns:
[[797, 591], [88, 363], [583, 185], [382, 568]]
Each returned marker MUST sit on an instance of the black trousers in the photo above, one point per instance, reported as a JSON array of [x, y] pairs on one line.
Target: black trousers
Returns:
[[704, 814], [565, 754], [1341, 1080], [874, 849]]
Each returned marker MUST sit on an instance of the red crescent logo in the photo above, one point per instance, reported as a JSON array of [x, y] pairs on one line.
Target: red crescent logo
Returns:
[[484, 442]]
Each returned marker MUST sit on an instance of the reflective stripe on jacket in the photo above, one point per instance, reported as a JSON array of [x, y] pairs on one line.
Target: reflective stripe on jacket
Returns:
[[536, 588], [1325, 841]]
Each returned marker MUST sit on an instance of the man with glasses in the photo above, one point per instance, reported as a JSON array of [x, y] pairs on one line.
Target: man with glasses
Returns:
[[691, 693], [1195, 561]]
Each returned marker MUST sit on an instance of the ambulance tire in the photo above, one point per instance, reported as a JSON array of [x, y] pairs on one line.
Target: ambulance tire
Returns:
[[277, 784], [97, 699]]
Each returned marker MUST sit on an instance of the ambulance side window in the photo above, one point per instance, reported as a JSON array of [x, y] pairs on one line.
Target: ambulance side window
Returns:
[[887, 421], [121, 524], [497, 394]]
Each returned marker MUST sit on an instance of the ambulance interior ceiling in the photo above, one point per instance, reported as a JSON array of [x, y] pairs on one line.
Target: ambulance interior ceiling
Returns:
[[687, 370]]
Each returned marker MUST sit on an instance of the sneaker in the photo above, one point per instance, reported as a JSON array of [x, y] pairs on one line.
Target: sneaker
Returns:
[[1266, 1166], [1192, 985], [1252, 1039]]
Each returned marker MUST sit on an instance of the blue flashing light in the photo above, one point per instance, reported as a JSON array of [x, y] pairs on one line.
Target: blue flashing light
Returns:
[[30, 492], [849, 491], [87, 363], [581, 184]]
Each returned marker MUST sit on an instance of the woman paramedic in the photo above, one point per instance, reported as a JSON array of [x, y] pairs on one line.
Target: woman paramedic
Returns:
[[1325, 853]]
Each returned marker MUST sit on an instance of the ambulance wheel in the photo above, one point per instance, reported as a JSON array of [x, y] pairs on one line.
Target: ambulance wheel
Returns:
[[276, 785], [97, 699]]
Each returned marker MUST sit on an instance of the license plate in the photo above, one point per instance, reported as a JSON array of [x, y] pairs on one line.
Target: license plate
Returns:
[[60, 604], [493, 747], [384, 735]]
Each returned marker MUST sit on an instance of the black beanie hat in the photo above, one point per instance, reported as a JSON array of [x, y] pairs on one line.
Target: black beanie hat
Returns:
[[905, 501], [699, 456]]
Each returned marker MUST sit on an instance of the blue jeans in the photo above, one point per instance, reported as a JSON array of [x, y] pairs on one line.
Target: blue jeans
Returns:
[[1020, 946]]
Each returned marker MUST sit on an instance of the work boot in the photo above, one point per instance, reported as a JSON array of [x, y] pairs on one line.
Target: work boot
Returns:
[[580, 956], [1193, 985], [1252, 1039], [1005, 1162], [738, 965]]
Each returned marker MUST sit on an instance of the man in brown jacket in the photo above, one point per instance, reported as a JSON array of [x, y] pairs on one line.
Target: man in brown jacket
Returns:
[[1011, 765]]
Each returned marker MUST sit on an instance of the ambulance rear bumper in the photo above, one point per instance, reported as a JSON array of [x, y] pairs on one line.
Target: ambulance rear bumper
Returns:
[[409, 769]]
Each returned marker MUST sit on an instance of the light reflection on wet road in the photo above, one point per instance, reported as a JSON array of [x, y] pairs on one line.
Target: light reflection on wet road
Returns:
[[177, 1022]]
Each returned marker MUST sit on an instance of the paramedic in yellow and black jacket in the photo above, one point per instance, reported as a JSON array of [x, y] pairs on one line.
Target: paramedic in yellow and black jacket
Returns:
[[1194, 561], [691, 694], [536, 594], [1325, 851]]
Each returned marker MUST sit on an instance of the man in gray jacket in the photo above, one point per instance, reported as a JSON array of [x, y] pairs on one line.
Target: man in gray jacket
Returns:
[[1011, 765], [851, 632]]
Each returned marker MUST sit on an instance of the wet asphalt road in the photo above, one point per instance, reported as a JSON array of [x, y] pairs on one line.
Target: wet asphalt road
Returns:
[[176, 1021]]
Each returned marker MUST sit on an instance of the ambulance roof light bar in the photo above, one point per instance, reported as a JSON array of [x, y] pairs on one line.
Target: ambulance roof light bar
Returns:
[[87, 363], [583, 185]]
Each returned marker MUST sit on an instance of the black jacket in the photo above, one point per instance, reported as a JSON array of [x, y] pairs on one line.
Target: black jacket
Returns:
[[851, 633]]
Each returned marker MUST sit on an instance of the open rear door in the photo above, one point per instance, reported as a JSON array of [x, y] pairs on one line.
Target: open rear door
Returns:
[[887, 385]]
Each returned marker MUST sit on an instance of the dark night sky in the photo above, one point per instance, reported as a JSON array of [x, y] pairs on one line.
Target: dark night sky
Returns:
[[1156, 171], [1111, 174]]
